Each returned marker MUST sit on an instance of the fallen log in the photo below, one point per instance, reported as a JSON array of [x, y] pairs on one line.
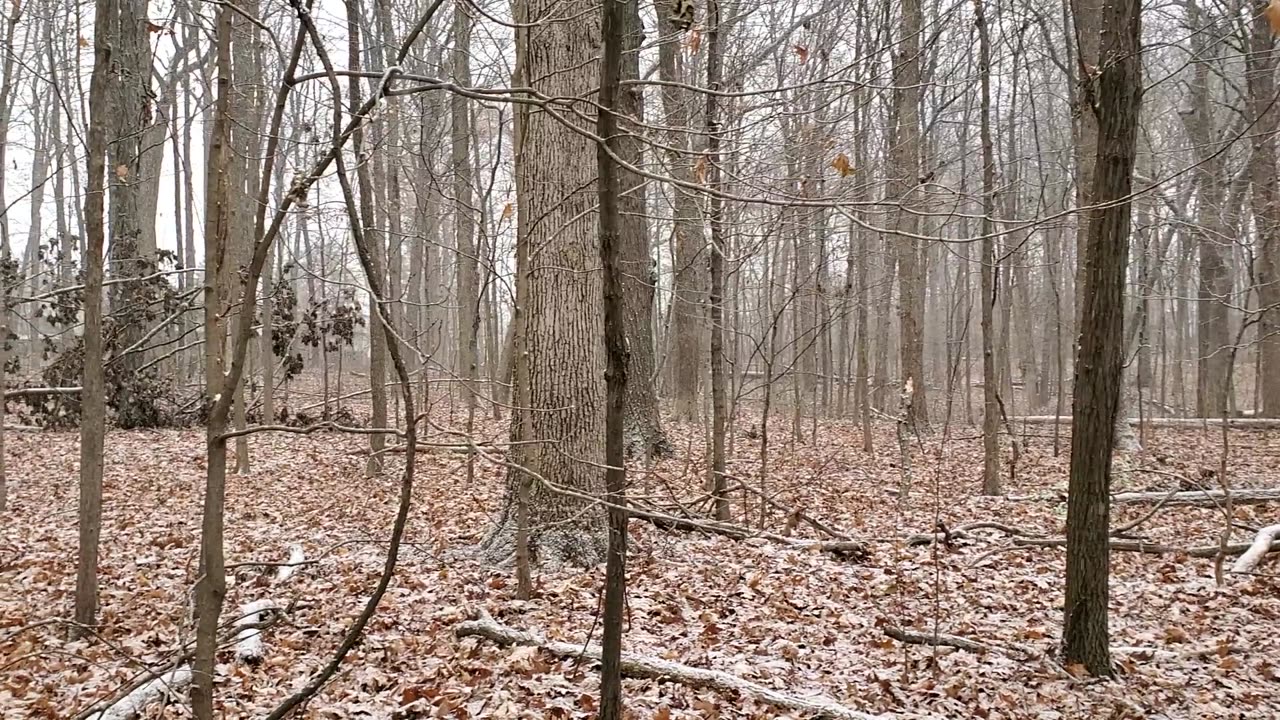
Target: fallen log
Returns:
[[296, 558], [131, 706], [639, 666], [1203, 551], [1163, 422], [1268, 538], [1199, 498], [249, 649]]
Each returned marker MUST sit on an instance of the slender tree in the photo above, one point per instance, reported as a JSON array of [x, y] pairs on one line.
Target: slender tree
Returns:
[[1116, 98], [93, 398]]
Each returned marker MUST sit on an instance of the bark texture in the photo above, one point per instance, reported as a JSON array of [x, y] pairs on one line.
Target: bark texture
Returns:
[[559, 298], [1261, 66], [1116, 99], [688, 284], [644, 434], [905, 169]]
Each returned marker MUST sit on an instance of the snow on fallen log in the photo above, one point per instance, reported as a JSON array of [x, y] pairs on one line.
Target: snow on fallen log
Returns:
[[638, 666], [1265, 540], [296, 558], [1201, 498], [249, 647], [131, 706], [1162, 422]]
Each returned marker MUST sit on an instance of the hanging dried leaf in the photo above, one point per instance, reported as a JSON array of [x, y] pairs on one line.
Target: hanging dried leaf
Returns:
[[507, 211], [803, 52], [700, 169], [695, 40], [842, 165], [82, 42], [152, 27], [1272, 13]]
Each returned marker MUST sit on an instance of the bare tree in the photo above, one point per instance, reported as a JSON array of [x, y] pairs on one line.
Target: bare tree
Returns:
[[1115, 97]]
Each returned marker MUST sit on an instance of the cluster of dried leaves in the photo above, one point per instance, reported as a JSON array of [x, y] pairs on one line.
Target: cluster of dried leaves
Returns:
[[797, 620]]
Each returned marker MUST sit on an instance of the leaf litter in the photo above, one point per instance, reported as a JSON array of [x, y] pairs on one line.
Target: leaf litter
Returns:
[[791, 619]]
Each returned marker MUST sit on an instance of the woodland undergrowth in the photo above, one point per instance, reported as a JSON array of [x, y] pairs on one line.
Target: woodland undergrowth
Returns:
[[797, 620]]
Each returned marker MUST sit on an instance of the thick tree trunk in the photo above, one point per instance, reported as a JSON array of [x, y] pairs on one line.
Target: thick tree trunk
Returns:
[[559, 297], [1261, 64], [1213, 329], [1116, 97], [644, 434], [688, 285]]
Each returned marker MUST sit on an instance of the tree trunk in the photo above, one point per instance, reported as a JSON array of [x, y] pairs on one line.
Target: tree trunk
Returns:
[[1261, 64], [688, 285], [559, 298], [377, 251], [466, 275], [211, 588], [1213, 294], [1100, 356], [905, 169], [616, 20], [93, 400], [719, 403], [644, 435], [990, 402]]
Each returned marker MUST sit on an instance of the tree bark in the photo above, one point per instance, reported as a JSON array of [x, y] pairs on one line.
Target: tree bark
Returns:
[[719, 409], [1116, 100], [1261, 69], [561, 287], [990, 401], [93, 400], [644, 434], [211, 588], [905, 169], [464, 225], [1213, 329], [616, 20], [688, 285]]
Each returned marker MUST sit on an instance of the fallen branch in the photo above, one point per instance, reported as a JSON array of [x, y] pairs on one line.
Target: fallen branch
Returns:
[[637, 666], [960, 643], [1268, 538], [1164, 422], [39, 391], [843, 549], [1198, 498], [1023, 653], [962, 532], [1204, 551], [130, 706], [790, 512]]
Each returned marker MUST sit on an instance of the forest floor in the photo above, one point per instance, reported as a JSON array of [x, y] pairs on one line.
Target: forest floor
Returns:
[[800, 621]]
